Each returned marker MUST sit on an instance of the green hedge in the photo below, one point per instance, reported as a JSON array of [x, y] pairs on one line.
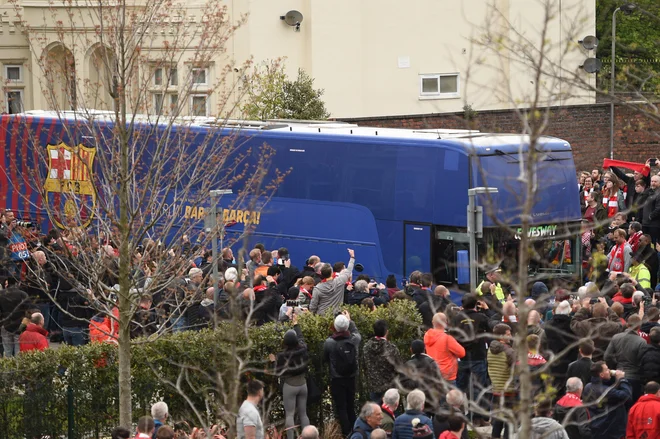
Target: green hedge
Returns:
[[72, 392]]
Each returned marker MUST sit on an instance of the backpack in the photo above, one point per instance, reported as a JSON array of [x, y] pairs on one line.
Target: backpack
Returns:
[[345, 357], [422, 431]]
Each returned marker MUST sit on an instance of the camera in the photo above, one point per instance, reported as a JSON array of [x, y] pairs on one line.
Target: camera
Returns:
[[26, 224], [594, 300], [293, 303]]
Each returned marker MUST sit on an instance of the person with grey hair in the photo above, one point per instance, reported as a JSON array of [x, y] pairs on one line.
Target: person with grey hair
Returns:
[[379, 433], [340, 351], [309, 432], [391, 400], [455, 406], [413, 423], [359, 292], [571, 412], [370, 418], [160, 413]]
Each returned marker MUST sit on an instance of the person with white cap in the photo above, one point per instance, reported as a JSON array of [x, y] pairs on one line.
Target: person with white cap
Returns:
[[340, 351]]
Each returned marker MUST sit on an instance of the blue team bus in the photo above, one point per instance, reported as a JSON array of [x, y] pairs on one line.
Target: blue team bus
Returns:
[[398, 197]]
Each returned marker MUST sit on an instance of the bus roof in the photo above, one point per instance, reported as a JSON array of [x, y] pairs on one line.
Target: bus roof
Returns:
[[471, 141]]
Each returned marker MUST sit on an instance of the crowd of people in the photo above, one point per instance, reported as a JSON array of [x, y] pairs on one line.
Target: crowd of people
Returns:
[[593, 353]]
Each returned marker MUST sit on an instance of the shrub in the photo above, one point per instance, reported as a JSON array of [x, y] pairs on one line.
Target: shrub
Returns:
[[186, 370]]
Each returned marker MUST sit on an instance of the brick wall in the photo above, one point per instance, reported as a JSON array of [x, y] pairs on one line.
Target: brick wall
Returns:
[[585, 127]]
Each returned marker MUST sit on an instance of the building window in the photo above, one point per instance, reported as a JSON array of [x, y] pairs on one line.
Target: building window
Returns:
[[164, 103], [200, 76], [199, 105], [14, 101], [158, 76], [160, 79], [158, 103], [439, 86], [14, 73]]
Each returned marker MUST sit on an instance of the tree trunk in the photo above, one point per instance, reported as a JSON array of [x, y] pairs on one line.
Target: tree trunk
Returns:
[[125, 257]]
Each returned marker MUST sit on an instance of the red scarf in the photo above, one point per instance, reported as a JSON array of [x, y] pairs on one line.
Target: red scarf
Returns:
[[305, 292], [259, 288], [388, 411], [585, 195], [634, 240], [642, 169], [617, 260], [612, 205], [334, 275]]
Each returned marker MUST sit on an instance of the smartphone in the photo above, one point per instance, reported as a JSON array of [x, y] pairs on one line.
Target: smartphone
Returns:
[[653, 162]]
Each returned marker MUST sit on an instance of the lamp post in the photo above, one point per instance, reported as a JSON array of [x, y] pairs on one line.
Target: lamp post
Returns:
[[215, 195], [475, 229], [627, 9]]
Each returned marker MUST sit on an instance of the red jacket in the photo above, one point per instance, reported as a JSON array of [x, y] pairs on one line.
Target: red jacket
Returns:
[[34, 337], [644, 418]]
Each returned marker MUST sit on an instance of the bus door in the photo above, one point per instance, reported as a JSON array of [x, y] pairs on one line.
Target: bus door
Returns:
[[417, 248], [448, 241]]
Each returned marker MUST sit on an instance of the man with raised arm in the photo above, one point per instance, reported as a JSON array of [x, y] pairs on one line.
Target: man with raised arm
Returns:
[[328, 295]]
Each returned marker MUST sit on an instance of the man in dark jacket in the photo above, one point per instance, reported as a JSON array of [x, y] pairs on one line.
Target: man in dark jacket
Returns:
[[647, 254], [340, 351], [581, 368], [650, 362], [625, 353], [421, 372], [560, 340], [14, 304], [370, 418], [571, 412], [471, 327], [382, 359], [651, 215], [267, 297], [606, 397], [403, 425], [596, 325]]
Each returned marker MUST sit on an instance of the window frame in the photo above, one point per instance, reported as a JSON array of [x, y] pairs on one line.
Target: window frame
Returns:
[[7, 103], [206, 77], [439, 94], [206, 106], [155, 83], [20, 73]]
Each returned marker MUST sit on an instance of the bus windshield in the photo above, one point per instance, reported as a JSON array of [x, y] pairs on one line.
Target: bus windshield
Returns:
[[553, 250]]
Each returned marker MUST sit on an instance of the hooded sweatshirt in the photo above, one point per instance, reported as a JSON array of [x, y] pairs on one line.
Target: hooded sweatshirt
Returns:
[[501, 359], [547, 428], [445, 350]]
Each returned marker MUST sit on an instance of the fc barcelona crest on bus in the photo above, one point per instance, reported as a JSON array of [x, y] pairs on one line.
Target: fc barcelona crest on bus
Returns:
[[69, 185]]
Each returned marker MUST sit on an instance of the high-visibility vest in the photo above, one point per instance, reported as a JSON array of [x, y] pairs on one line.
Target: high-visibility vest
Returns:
[[499, 292]]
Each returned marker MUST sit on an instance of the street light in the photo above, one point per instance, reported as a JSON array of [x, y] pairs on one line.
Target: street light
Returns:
[[213, 225], [475, 228], [627, 9]]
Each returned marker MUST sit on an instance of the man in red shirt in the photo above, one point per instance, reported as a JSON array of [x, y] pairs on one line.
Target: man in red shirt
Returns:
[[644, 417], [34, 336]]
